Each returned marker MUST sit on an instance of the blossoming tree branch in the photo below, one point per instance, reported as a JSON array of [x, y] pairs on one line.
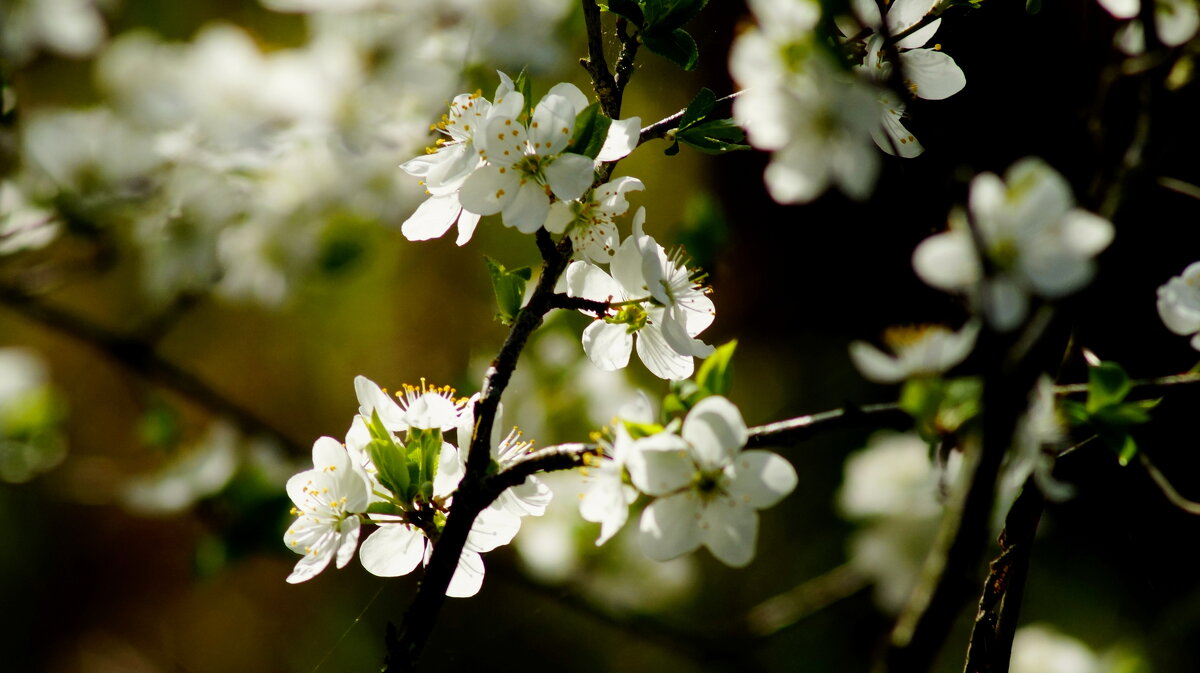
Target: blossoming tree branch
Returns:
[[428, 479]]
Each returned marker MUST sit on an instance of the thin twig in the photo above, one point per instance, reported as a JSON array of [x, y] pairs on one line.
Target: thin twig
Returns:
[[137, 356], [811, 596], [1164, 485], [662, 127]]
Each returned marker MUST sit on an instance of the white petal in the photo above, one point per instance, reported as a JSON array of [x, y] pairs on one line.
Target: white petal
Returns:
[[466, 227], [528, 210], [730, 531], [761, 479], [1084, 233], [875, 365], [660, 464], [574, 96], [468, 576], [432, 218], [622, 138], [715, 430], [308, 567], [372, 398], [610, 196], [451, 467], [349, 540], [606, 502], [504, 140], [658, 356], [1007, 304], [489, 190], [933, 73], [552, 124], [628, 265], [1122, 9], [492, 528], [947, 261], [559, 217], [584, 279], [570, 175], [607, 346], [921, 37], [668, 527], [392, 550]]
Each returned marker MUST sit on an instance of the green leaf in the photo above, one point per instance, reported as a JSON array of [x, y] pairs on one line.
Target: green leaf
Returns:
[[523, 84], [509, 287], [670, 14], [716, 136], [1074, 412], [1108, 384], [1033, 6], [960, 403], [384, 508], [639, 430], [591, 129], [676, 46], [672, 150], [698, 109], [625, 8], [392, 466], [715, 377], [1129, 449]]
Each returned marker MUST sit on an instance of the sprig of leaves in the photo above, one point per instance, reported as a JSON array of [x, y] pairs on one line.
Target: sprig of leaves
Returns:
[[710, 136], [1106, 413], [660, 26]]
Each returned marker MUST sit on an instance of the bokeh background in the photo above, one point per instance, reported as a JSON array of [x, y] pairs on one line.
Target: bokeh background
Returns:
[[219, 183]]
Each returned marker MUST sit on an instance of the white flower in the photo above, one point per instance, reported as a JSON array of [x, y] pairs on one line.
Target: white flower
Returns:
[[1176, 22], [607, 498], [423, 406], [708, 490], [1041, 432], [656, 299], [398, 546], [530, 498], [444, 170], [328, 499], [927, 350], [1037, 648], [198, 472], [73, 28], [23, 226], [1179, 303], [799, 105], [590, 223], [525, 166], [1034, 238]]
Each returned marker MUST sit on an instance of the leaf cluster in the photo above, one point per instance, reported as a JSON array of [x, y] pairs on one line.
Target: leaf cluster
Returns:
[[660, 26], [698, 131], [1105, 411]]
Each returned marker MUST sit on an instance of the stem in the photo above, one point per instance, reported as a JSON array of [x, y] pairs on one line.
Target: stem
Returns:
[[660, 128], [1160, 480]]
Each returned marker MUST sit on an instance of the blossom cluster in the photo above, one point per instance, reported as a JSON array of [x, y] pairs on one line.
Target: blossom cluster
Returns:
[[818, 118], [706, 489], [404, 487]]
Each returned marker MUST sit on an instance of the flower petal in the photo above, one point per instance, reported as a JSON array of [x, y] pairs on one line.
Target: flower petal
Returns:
[[528, 210], [468, 576], [668, 527], [607, 346], [947, 261], [489, 190], [432, 218], [715, 430], [933, 74], [730, 531], [660, 464], [875, 365], [393, 550], [658, 356], [569, 175], [760, 478], [622, 138]]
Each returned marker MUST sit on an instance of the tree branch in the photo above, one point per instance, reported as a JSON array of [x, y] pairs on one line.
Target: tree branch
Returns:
[[662, 127], [141, 358]]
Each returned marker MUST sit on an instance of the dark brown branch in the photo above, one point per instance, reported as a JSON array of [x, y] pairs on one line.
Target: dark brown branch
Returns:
[[139, 357], [598, 308], [662, 127], [995, 626], [603, 82]]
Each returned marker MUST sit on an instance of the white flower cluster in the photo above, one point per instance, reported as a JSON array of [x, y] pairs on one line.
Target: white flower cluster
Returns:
[[706, 489], [817, 119], [1179, 304], [235, 167], [494, 160], [407, 496], [1033, 237]]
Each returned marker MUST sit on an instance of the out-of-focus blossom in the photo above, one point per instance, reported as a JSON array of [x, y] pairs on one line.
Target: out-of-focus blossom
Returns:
[[73, 28], [1034, 238], [1038, 648], [1179, 303], [23, 226], [927, 350], [199, 471], [1175, 21]]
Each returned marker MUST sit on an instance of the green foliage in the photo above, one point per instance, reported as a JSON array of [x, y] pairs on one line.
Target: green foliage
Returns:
[[591, 128], [713, 378], [660, 26], [941, 406], [509, 287], [710, 136], [524, 84], [1106, 412]]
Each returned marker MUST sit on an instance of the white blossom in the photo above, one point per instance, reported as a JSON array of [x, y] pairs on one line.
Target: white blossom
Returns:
[[328, 499], [707, 489], [927, 350], [589, 222], [1179, 303], [1033, 236], [1175, 21]]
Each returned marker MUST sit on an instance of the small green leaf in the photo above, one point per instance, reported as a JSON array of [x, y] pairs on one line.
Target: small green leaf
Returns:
[[1129, 449], [698, 109], [523, 84], [392, 466], [670, 14], [676, 46], [384, 508], [639, 430], [716, 136], [509, 287], [591, 129], [715, 376], [1108, 384], [625, 8], [1033, 6], [672, 150], [960, 403], [1074, 412]]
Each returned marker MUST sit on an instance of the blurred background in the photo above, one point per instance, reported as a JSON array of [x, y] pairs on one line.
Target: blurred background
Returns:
[[201, 208]]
